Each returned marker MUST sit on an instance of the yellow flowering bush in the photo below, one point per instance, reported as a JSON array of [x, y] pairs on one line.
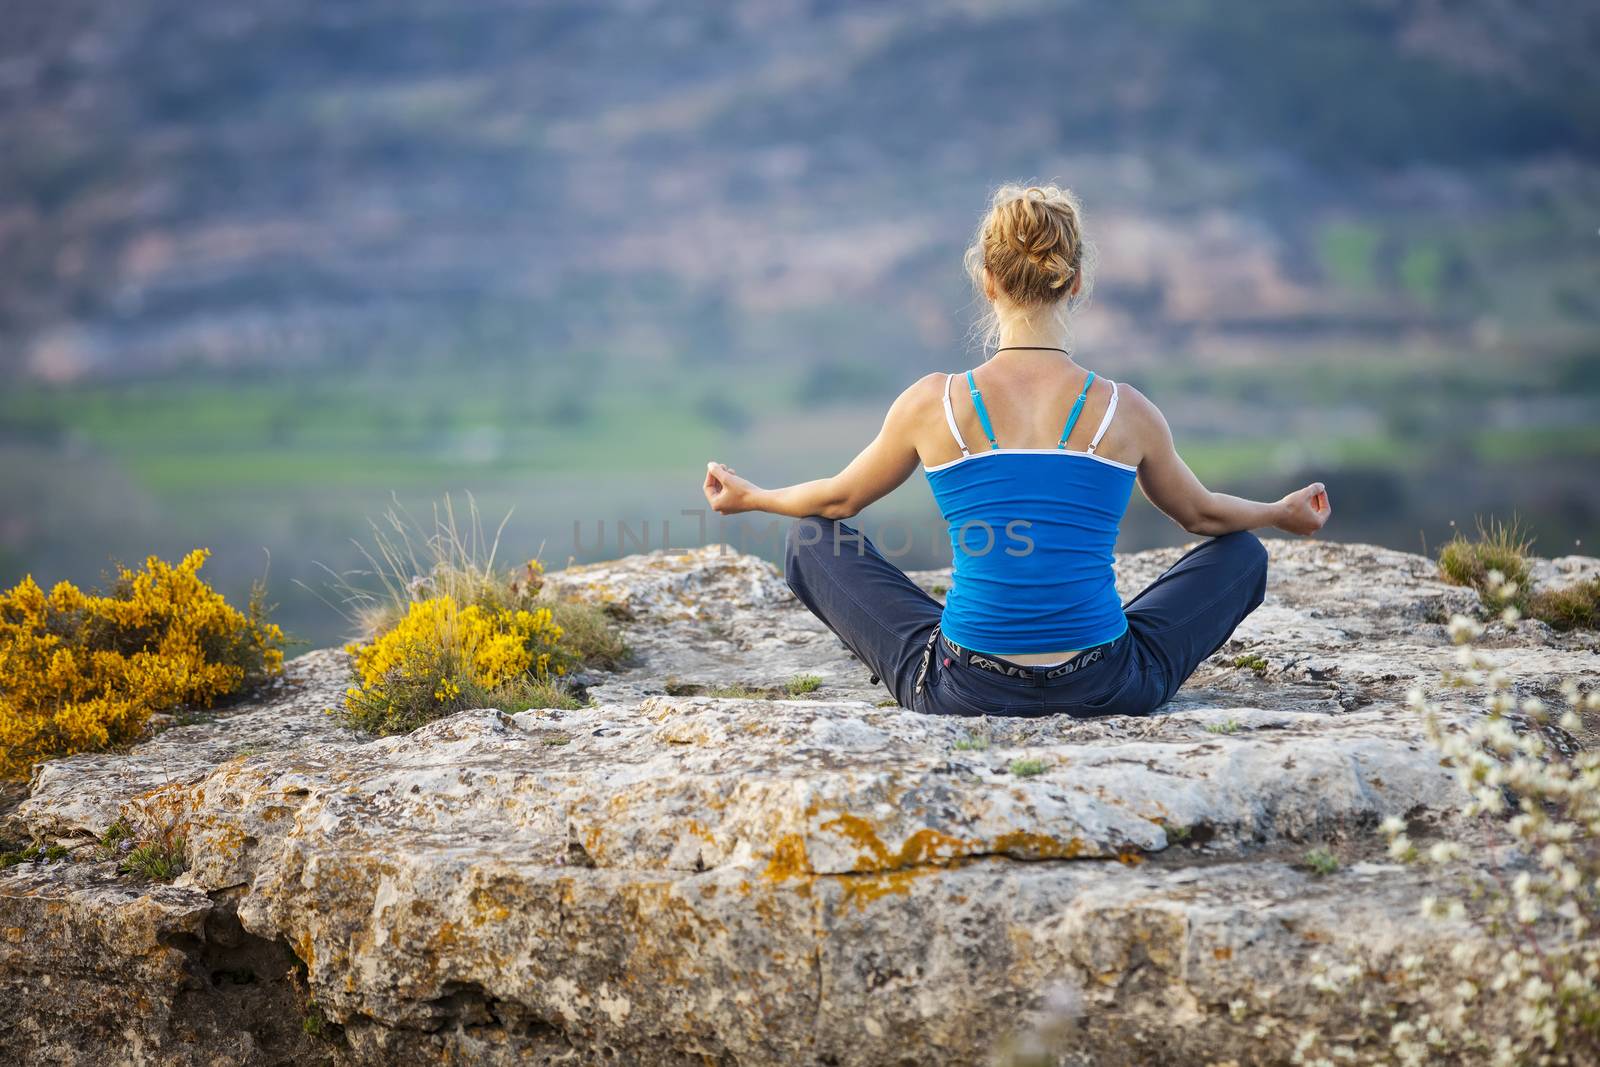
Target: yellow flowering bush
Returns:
[[80, 671], [443, 629], [441, 658]]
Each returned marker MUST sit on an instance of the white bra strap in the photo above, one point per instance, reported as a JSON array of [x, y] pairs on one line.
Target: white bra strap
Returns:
[[950, 416], [1111, 409]]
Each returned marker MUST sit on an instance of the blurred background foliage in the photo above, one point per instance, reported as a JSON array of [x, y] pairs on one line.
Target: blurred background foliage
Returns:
[[262, 266]]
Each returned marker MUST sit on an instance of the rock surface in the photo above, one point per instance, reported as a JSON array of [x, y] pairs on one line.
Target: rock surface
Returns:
[[672, 876]]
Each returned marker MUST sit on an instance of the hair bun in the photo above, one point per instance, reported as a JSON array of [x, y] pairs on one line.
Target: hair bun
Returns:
[[1031, 241]]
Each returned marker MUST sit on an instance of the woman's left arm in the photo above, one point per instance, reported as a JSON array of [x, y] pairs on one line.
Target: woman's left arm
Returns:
[[880, 468]]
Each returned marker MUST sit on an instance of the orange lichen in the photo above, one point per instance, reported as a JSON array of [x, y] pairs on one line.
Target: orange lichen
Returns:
[[445, 937], [305, 948], [486, 908], [789, 859], [862, 890], [925, 846], [1022, 843], [220, 839]]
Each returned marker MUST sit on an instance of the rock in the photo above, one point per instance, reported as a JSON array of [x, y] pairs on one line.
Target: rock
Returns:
[[96, 969], [667, 876]]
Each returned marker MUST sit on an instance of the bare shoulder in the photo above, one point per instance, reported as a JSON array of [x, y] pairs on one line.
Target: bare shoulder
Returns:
[[918, 397], [929, 386], [1141, 412]]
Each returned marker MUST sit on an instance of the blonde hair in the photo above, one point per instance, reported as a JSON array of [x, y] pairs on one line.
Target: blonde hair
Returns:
[[1032, 241]]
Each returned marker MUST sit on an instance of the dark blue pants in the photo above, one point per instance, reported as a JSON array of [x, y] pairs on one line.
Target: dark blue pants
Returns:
[[891, 625]]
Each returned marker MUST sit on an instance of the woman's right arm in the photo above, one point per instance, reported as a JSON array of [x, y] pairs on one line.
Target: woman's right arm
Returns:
[[1171, 486]]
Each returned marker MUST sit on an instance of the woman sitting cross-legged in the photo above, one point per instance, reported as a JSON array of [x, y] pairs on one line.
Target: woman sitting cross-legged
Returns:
[[1032, 459]]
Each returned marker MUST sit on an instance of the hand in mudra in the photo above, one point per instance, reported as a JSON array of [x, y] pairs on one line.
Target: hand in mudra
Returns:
[[1305, 511], [726, 492]]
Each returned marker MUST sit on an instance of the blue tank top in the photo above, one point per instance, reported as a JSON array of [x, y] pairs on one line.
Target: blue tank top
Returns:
[[1031, 538]]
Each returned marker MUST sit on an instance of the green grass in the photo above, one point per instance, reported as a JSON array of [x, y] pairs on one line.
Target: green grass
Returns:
[[1251, 662], [525, 694], [972, 743], [1498, 546], [118, 832], [1321, 862], [158, 857], [1028, 768], [588, 633], [1231, 726], [31, 854], [801, 684], [738, 692], [1572, 607]]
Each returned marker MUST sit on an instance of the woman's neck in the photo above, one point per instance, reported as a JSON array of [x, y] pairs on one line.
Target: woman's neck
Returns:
[[1025, 338], [1030, 354]]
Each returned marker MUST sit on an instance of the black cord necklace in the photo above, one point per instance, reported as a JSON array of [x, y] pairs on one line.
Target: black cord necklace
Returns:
[[1031, 348]]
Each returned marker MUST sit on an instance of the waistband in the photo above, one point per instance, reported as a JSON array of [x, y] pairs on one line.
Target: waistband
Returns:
[[1037, 674]]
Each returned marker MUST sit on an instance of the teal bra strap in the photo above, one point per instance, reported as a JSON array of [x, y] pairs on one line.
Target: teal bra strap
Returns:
[[983, 412], [1077, 406]]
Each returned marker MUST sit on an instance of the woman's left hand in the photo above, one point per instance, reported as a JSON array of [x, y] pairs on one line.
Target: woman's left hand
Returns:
[[726, 492]]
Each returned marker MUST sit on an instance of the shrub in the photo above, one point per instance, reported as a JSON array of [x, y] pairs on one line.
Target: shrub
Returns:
[[447, 630], [1027, 768], [1498, 547], [441, 658], [1572, 607], [1496, 565], [81, 671]]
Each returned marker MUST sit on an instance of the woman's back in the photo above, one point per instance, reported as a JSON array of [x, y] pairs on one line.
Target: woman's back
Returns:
[[1032, 524]]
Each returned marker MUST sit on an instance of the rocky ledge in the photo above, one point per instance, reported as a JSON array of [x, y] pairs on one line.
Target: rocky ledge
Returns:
[[672, 876]]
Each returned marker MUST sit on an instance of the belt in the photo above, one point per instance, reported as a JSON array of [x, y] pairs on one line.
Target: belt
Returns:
[[1038, 674]]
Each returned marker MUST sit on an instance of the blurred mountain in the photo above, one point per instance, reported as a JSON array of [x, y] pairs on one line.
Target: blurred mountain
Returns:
[[303, 183]]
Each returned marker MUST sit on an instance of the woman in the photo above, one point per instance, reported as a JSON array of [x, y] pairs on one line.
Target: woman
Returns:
[[1032, 459]]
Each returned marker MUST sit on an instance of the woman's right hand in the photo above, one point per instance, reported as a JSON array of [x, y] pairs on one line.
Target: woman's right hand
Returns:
[[1305, 511], [726, 492]]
